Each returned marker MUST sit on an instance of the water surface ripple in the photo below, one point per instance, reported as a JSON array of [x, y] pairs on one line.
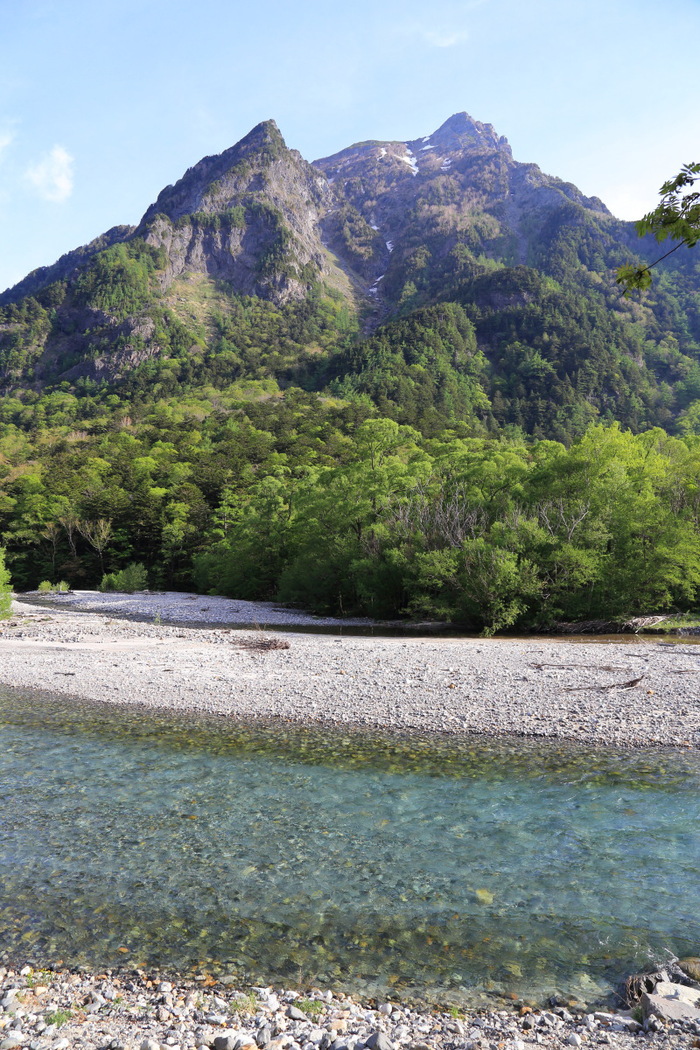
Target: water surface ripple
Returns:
[[436, 868]]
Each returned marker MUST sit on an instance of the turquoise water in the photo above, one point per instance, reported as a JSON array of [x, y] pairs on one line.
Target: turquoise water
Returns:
[[443, 870]]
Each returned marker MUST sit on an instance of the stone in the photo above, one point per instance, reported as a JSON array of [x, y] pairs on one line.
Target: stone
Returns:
[[690, 967], [574, 1039], [227, 1040], [379, 1041], [295, 1014], [385, 1009], [671, 1002], [263, 1036], [678, 991], [149, 1044], [12, 1041], [219, 1019], [60, 1044]]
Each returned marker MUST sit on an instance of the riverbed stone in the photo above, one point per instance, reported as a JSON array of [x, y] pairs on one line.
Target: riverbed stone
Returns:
[[379, 1041], [13, 1040], [230, 1040]]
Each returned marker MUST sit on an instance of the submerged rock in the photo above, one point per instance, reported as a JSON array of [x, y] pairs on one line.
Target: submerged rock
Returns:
[[690, 967]]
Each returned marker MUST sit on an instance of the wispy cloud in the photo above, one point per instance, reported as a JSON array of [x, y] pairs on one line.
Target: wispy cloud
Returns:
[[6, 139], [443, 37], [52, 176]]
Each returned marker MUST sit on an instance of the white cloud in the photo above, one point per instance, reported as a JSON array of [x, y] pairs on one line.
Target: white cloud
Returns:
[[52, 177]]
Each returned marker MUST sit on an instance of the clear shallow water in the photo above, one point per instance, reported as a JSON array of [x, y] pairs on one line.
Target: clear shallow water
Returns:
[[429, 868]]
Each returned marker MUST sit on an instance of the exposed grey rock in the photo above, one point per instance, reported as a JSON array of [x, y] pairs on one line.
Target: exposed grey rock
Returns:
[[295, 1014]]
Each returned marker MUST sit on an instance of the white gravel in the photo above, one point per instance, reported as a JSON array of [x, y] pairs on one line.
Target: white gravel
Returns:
[[190, 608], [533, 687]]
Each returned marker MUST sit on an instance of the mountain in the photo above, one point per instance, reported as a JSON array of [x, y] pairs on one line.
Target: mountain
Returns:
[[439, 277]]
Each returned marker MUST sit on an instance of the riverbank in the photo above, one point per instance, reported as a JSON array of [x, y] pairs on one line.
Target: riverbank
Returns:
[[633, 694], [47, 1010]]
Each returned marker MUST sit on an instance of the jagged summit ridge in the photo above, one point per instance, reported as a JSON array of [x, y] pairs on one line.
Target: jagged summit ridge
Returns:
[[459, 134]]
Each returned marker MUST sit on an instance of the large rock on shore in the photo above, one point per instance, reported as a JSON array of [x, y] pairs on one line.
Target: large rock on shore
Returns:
[[672, 1002]]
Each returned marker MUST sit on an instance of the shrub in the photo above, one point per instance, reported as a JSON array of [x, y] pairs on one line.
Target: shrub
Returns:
[[61, 587], [45, 585], [5, 589], [132, 578]]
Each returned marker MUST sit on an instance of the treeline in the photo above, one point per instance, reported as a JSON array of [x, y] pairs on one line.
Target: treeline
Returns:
[[255, 494]]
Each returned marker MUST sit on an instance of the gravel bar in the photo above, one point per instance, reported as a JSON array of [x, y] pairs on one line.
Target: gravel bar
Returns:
[[643, 692]]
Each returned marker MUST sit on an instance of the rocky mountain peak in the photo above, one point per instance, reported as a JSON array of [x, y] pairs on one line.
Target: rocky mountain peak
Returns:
[[198, 189], [462, 132]]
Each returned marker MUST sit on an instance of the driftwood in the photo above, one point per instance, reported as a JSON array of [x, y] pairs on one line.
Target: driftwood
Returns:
[[607, 688], [586, 667], [263, 644]]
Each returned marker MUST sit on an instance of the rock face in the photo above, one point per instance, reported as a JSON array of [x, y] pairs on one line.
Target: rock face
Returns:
[[250, 216]]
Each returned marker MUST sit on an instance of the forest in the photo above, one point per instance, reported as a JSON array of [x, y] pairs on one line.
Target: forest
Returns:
[[315, 501]]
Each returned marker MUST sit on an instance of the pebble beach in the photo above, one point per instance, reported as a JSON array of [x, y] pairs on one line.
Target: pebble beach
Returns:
[[43, 1010], [188, 653]]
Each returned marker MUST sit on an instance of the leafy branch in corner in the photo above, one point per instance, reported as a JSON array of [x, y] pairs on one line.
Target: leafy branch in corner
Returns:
[[677, 215]]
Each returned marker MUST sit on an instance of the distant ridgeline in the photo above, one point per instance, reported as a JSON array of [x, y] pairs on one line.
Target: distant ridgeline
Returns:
[[389, 381]]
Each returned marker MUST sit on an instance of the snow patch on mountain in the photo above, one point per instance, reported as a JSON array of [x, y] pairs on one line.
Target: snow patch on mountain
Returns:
[[410, 160]]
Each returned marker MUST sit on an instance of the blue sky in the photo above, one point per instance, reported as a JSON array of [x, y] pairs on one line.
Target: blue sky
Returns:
[[104, 102]]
